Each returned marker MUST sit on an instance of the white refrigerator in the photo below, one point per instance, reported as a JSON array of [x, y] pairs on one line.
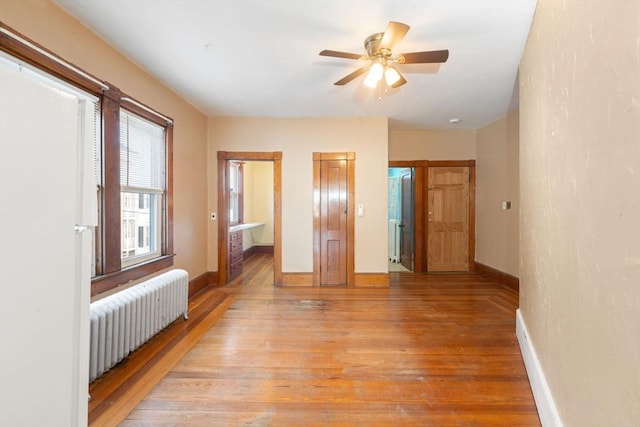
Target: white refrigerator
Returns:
[[47, 210]]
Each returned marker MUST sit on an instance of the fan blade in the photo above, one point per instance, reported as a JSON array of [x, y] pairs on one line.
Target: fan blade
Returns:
[[400, 81], [337, 54], [346, 79], [424, 57], [393, 34]]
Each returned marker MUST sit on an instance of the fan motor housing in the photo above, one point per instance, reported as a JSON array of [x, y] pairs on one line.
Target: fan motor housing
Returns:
[[372, 45]]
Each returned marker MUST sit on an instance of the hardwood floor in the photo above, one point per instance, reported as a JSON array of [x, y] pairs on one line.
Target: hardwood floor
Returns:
[[432, 350]]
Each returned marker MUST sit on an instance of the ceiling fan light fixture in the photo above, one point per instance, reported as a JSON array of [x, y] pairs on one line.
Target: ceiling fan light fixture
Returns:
[[379, 54], [375, 74], [391, 75]]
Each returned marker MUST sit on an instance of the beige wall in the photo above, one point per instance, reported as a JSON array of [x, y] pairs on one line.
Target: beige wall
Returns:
[[298, 139], [497, 181], [432, 144], [580, 206], [45, 23]]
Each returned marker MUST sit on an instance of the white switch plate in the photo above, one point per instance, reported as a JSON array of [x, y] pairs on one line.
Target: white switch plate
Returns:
[[360, 210]]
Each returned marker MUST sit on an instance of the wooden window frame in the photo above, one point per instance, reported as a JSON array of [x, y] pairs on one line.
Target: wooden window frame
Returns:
[[111, 100], [239, 192]]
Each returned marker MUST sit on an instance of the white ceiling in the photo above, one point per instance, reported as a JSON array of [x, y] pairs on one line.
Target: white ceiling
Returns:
[[260, 58]]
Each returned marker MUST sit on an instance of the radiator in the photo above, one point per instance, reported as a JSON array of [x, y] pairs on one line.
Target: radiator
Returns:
[[394, 240], [121, 322]]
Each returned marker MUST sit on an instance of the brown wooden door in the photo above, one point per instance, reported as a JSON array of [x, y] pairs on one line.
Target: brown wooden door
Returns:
[[448, 219], [406, 243], [333, 222]]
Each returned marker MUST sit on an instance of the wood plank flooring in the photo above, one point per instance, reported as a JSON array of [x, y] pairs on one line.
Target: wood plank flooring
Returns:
[[433, 350]]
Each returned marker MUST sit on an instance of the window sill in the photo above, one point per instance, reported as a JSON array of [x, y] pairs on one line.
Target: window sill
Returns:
[[107, 282]]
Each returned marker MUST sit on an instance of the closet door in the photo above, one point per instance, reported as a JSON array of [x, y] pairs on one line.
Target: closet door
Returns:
[[448, 219], [333, 222]]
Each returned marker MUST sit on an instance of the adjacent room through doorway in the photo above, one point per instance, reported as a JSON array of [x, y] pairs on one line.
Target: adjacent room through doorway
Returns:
[[401, 218]]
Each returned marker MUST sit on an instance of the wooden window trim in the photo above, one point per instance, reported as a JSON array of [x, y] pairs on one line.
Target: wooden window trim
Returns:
[[240, 193], [112, 99]]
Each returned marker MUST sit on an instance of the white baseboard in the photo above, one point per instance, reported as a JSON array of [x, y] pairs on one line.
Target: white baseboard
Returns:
[[547, 410]]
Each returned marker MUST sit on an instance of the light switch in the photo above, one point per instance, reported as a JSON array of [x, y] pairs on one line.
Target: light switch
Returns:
[[360, 210], [506, 205]]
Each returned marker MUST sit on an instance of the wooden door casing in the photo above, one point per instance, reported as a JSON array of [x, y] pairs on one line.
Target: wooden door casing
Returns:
[[406, 245], [421, 168], [224, 158], [448, 219]]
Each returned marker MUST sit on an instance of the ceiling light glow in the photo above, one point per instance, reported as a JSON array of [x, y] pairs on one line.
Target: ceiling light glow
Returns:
[[391, 76]]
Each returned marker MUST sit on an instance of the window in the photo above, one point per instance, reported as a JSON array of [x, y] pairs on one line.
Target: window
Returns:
[[142, 185], [134, 236], [235, 193]]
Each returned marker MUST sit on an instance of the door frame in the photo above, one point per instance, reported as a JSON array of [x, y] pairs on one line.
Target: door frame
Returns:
[[411, 211], [224, 158], [350, 157], [421, 168]]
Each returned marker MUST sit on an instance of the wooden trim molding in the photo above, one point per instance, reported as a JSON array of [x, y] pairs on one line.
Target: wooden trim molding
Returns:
[[372, 280], [223, 219], [472, 216], [21, 47], [297, 279], [223, 209], [203, 281], [111, 224], [506, 279], [316, 219], [450, 163], [258, 249], [109, 281], [351, 209]]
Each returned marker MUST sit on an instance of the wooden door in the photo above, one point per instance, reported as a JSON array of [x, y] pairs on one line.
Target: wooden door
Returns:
[[406, 240], [448, 219], [333, 222]]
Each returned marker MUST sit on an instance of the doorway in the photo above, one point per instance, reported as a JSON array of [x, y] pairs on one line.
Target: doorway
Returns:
[[333, 219], [440, 243], [227, 166], [401, 218]]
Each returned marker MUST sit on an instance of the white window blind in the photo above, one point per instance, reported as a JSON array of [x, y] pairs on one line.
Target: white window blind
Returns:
[[142, 153]]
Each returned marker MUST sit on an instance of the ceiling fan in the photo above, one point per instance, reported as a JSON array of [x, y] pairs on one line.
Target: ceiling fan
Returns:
[[382, 62]]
